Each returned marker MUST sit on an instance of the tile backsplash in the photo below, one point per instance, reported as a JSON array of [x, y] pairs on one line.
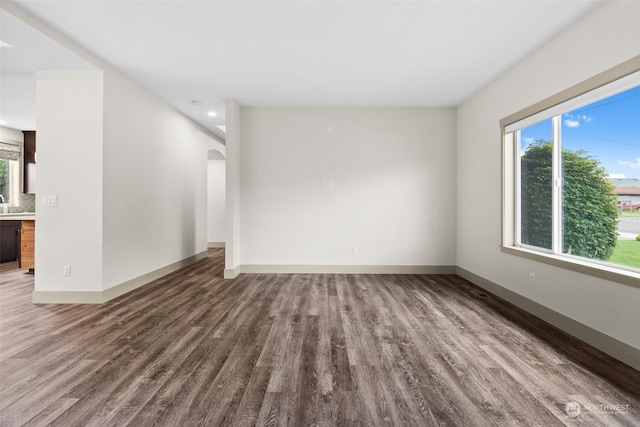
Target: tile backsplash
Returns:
[[28, 204]]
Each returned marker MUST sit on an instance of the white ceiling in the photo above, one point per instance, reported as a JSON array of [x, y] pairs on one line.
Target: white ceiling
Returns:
[[28, 52], [302, 53]]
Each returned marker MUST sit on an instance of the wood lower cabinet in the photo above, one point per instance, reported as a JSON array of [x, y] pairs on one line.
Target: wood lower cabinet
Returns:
[[27, 244]]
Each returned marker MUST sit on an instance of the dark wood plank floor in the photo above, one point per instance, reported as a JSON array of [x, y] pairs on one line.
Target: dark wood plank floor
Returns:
[[192, 349]]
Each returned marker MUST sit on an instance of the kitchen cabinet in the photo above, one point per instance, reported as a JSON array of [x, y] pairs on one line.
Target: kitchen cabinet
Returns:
[[27, 244], [29, 164], [9, 239]]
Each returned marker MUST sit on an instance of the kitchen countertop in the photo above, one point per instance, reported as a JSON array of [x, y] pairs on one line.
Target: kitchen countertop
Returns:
[[18, 216]]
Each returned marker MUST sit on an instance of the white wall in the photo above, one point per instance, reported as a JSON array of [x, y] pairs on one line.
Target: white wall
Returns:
[[603, 38], [69, 118], [216, 207], [393, 194], [155, 182], [130, 174]]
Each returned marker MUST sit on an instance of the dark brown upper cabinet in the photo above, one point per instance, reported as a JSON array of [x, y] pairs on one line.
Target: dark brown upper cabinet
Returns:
[[29, 166]]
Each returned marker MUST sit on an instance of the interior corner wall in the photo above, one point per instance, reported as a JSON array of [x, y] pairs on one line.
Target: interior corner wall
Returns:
[[155, 183], [216, 210], [69, 117], [232, 192], [379, 179], [603, 38]]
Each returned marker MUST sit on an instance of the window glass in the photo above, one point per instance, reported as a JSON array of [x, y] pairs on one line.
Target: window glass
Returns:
[[536, 181], [5, 181], [601, 150]]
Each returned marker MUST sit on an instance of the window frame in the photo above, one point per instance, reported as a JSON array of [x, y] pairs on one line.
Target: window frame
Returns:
[[511, 180]]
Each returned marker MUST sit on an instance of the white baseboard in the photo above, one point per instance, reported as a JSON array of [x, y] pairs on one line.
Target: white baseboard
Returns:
[[609, 345], [215, 244], [99, 297], [67, 297], [231, 273]]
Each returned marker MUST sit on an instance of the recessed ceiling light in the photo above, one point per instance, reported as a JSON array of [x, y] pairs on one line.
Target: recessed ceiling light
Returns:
[[211, 114]]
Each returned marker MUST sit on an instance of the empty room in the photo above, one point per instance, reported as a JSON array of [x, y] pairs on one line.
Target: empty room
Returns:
[[320, 213]]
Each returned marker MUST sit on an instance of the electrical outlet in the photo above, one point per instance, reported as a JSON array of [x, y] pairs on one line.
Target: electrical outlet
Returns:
[[354, 250], [66, 270], [532, 278], [330, 129]]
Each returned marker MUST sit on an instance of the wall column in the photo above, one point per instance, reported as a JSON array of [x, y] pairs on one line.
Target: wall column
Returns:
[[232, 153]]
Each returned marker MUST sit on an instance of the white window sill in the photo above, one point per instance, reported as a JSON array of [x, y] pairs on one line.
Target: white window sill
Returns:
[[607, 272]]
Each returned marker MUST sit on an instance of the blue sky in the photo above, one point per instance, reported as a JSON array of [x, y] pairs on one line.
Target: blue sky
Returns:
[[609, 130]]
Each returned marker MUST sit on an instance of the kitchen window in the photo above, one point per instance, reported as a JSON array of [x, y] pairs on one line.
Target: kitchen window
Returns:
[[10, 156], [567, 163]]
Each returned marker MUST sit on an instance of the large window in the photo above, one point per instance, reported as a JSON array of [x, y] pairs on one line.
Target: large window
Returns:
[[572, 179]]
